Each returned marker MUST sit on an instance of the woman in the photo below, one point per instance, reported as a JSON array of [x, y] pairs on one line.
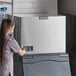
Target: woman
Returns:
[[8, 46]]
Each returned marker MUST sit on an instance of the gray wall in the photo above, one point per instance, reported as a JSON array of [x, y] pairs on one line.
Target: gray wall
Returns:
[[35, 7], [67, 6]]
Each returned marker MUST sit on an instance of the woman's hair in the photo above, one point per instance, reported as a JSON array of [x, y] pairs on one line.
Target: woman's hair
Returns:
[[6, 23]]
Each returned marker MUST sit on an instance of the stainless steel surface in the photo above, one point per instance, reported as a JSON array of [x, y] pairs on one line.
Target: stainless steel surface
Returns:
[[46, 65], [45, 35]]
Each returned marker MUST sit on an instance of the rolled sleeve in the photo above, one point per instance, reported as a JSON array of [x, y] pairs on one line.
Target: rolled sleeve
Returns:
[[14, 46]]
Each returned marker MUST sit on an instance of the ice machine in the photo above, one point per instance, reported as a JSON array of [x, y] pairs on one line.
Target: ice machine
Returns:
[[44, 34], [44, 38]]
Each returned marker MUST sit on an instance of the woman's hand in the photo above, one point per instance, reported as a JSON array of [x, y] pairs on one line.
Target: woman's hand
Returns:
[[22, 52]]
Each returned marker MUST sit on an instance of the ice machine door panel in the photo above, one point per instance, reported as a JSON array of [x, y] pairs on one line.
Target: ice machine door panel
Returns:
[[46, 65], [45, 35]]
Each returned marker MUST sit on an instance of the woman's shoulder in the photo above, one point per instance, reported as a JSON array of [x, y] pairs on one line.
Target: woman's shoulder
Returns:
[[10, 38]]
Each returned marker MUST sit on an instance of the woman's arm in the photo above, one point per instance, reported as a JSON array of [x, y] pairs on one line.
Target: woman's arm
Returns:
[[16, 48]]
